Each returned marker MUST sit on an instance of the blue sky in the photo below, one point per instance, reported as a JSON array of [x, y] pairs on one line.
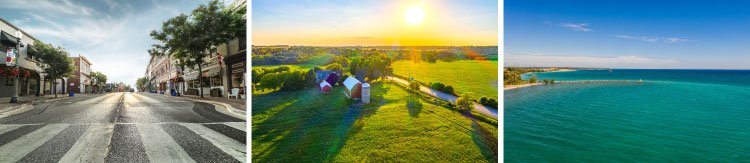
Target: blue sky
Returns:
[[628, 34], [112, 34], [374, 22]]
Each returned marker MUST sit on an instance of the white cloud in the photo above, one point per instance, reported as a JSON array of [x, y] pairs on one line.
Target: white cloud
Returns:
[[115, 44], [577, 27], [48, 6], [675, 40], [654, 39], [622, 61]]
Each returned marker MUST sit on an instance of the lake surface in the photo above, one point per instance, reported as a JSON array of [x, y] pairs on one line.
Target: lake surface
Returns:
[[674, 116]]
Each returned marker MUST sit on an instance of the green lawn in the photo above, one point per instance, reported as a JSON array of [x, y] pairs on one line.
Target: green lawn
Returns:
[[476, 76], [312, 127]]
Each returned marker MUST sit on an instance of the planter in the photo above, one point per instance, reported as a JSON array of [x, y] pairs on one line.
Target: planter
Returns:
[[216, 92]]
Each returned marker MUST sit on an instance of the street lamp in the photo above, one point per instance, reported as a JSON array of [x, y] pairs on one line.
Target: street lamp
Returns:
[[19, 35]]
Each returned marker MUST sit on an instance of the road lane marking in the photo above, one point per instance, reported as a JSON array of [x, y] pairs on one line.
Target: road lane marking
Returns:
[[238, 125], [230, 132], [92, 146], [198, 147], [19, 132], [226, 144], [6, 128], [160, 147], [55, 148], [18, 148]]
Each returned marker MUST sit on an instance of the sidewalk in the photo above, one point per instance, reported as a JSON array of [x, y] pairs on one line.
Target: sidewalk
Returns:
[[6, 106], [239, 104]]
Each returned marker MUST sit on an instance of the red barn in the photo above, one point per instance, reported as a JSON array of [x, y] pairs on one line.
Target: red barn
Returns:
[[353, 88], [325, 87]]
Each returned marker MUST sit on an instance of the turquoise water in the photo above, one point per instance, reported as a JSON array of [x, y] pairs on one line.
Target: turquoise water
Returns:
[[674, 116]]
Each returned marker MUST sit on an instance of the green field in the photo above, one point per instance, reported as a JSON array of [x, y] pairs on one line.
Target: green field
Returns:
[[476, 76], [312, 127]]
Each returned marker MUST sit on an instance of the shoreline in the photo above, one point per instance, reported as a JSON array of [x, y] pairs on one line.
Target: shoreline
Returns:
[[509, 87]]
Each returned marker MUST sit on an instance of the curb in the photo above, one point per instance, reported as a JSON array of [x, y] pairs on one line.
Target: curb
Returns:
[[20, 109], [225, 105]]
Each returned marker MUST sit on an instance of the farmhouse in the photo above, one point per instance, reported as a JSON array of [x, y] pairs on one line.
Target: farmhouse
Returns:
[[325, 87], [331, 76], [353, 88]]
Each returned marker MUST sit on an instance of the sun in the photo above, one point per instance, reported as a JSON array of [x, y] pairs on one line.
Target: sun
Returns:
[[414, 15]]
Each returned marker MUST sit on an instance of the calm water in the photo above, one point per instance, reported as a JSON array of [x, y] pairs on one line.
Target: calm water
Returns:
[[676, 115]]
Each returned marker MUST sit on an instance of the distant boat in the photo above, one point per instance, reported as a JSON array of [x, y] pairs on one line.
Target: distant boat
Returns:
[[610, 70]]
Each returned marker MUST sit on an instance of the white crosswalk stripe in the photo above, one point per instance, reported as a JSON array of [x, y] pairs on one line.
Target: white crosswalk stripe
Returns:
[[6, 128], [237, 125], [159, 146], [92, 145], [18, 148], [226, 144], [95, 143]]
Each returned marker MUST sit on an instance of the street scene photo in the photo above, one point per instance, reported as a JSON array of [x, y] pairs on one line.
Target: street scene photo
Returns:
[[374, 81], [123, 81]]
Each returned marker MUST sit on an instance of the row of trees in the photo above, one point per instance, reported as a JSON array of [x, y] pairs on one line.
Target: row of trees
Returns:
[[371, 68], [189, 39]]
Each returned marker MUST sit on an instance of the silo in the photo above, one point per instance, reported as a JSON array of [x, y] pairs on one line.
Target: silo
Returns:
[[366, 93]]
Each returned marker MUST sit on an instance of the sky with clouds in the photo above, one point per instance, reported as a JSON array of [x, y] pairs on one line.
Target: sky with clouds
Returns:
[[628, 34], [112, 34], [374, 22]]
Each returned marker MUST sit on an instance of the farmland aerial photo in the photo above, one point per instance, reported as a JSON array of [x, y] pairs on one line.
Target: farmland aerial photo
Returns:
[[374, 81]]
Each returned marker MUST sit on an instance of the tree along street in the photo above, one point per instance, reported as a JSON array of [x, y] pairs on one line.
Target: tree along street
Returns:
[[123, 127]]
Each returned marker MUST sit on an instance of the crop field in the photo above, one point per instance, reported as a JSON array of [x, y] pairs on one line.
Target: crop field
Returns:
[[476, 76], [395, 126]]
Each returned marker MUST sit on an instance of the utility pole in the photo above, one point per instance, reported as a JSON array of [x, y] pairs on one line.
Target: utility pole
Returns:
[[14, 99]]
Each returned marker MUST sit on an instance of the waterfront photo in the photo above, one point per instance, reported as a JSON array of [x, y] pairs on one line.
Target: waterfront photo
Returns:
[[626, 81]]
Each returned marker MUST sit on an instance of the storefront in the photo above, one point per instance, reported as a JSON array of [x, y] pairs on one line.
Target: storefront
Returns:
[[212, 82], [236, 72]]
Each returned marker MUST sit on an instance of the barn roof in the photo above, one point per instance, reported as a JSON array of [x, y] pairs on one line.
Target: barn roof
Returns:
[[350, 82], [324, 83]]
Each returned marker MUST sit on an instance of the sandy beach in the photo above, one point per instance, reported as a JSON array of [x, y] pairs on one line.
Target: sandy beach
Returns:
[[509, 87]]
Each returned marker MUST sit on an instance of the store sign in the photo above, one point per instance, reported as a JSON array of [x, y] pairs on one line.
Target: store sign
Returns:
[[10, 57], [238, 67]]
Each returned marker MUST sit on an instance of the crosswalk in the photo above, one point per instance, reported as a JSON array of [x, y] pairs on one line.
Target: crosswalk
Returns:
[[124, 142]]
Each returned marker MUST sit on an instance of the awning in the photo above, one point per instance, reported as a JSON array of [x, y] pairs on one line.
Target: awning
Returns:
[[207, 72], [7, 39], [191, 76], [211, 71]]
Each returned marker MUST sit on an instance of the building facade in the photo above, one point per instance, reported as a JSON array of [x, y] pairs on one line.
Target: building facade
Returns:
[[224, 69], [161, 71], [31, 79], [81, 80]]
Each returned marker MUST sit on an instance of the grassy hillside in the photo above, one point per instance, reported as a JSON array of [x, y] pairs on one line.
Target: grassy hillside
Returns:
[[476, 76], [306, 125]]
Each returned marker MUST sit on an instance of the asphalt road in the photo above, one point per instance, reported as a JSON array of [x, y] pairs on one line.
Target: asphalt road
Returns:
[[123, 127]]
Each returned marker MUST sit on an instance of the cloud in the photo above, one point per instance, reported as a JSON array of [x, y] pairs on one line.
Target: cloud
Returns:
[[115, 42], [577, 27], [49, 6], [675, 40], [621, 61], [654, 39]]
